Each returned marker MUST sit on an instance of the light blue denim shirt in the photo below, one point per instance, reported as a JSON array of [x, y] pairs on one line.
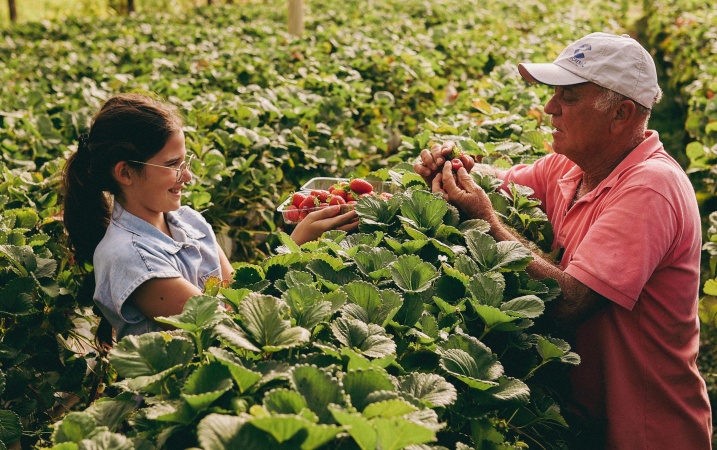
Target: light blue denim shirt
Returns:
[[133, 251]]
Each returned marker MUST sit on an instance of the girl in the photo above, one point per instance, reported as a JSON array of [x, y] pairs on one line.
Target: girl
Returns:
[[150, 254]]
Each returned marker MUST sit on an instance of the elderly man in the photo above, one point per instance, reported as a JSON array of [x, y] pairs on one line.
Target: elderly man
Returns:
[[626, 220]]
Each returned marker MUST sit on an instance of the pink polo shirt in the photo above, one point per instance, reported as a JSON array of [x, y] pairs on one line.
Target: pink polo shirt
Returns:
[[636, 240]]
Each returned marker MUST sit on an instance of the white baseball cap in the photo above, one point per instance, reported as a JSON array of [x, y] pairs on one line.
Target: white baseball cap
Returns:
[[618, 63]]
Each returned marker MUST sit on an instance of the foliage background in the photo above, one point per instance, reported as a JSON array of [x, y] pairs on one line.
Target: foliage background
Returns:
[[366, 96]]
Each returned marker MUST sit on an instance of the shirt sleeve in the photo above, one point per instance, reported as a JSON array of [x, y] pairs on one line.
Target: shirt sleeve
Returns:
[[126, 269], [631, 236]]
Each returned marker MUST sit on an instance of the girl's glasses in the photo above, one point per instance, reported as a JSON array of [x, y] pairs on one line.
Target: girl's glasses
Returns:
[[185, 165]]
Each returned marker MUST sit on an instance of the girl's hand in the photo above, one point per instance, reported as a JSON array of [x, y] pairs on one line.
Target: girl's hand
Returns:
[[315, 223]]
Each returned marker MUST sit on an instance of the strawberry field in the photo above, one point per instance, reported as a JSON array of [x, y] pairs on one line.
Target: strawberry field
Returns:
[[417, 331]]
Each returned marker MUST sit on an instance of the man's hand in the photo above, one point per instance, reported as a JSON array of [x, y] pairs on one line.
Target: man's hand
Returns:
[[315, 223], [459, 189], [432, 160]]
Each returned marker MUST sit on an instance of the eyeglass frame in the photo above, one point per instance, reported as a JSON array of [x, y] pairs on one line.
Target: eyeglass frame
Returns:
[[184, 165]]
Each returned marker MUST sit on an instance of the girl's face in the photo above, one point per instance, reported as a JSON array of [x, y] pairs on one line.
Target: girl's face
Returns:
[[154, 190]]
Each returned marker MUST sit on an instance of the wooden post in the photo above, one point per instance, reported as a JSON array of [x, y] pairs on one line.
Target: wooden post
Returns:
[[13, 10], [130, 6], [296, 17]]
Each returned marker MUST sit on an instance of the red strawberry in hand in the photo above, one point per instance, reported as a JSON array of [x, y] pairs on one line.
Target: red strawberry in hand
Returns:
[[337, 200], [292, 213], [360, 186], [456, 164], [309, 202], [297, 199]]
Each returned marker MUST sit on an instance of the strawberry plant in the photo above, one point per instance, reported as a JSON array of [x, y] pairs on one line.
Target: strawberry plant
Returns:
[[420, 329], [44, 354]]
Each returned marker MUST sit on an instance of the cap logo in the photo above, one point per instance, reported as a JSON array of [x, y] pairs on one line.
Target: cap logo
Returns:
[[579, 55]]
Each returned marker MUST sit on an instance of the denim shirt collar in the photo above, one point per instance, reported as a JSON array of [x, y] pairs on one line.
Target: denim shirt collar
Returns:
[[182, 233]]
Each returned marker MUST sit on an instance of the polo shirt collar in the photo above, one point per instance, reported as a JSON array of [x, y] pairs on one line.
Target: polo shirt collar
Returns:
[[569, 182]]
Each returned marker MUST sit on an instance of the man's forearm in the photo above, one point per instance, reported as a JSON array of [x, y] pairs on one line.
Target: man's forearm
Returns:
[[576, 303]]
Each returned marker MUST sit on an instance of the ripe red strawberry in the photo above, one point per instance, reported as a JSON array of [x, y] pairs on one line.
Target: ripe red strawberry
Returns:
[[321, 194], [456, 164], [309, 202], [338, 192], [360, 186], [292, 213], [297, 199], [337, 200]]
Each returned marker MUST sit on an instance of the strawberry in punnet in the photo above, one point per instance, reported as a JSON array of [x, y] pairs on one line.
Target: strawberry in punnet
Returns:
[[309, 202], [337, 200], [321, 194], [297, 199], [360, 186], [292, 213]]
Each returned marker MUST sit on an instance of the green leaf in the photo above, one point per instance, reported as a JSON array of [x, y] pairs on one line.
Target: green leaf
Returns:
[[358, 384], [423, 210], [74, 427], [487, 288], [491, 256], [430, 389], [145, 356], [332, 278], [318, 388], [358, 427], [306, 305], [374, 262], [205, 385], [388, 408], [284, 401], [105, 440], [284, 428], [219, 432], [16, 297], [10, 427], [367, 338], [377, 214], [112, 412], [246, 275], [243, 376], [510, 390], [385, 433], [380, 306], [528, 306], [553, 348], [263, 319], [411, 274], [494, 318], [471, 361], [396, 433], [22, 258], [200, 312], [235, 337], [710, 287]]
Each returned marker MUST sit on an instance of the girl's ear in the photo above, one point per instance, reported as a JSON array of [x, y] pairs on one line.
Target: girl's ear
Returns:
[[122, 173]]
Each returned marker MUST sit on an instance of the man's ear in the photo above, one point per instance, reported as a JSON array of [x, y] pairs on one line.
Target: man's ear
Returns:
[[123, 173], [624, 115]]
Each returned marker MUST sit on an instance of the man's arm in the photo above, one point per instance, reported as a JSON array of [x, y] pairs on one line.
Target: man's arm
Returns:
[[577, 301]]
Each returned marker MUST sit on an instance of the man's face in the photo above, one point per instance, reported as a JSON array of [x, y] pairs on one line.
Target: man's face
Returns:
[[580, 129]]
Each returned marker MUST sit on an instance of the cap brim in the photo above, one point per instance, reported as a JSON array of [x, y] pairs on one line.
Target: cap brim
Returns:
[[549, 73]]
